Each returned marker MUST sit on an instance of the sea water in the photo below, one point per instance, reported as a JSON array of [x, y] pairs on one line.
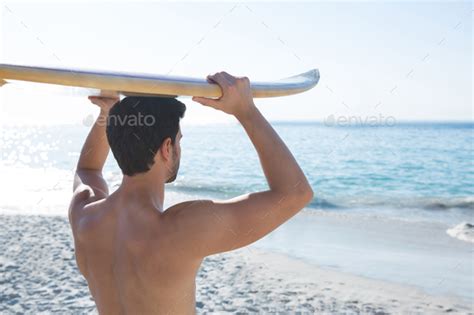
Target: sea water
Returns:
[[396, 195]]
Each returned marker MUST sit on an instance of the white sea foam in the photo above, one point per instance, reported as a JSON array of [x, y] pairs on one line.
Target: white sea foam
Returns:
[[463, 231]]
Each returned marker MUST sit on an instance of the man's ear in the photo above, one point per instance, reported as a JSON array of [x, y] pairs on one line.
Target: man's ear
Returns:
[[166, 149]]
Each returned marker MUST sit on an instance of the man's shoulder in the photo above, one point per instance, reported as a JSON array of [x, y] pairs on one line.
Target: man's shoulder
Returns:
[[84, 215], [186, 208]]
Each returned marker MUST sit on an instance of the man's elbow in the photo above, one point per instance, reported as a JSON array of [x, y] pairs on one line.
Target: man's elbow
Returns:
[[306, 195], [297, 197], [300, 197]]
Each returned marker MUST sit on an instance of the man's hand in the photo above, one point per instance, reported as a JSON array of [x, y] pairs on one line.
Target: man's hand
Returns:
[[236, 96], [105, 103]]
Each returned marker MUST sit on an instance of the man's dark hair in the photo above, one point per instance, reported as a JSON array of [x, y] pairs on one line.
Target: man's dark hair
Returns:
[[138, 125]]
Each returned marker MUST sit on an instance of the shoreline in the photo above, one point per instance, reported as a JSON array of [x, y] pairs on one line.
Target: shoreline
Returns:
[[321, 290], [417, 254], [39, 274]]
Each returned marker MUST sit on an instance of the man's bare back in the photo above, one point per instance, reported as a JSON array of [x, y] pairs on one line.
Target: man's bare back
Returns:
[[139, 258], [130, 261]]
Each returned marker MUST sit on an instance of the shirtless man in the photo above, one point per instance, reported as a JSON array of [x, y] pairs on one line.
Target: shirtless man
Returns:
[[139, 258]]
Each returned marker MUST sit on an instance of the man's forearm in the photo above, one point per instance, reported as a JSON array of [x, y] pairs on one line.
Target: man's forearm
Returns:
[[279, 166], [96, 147]]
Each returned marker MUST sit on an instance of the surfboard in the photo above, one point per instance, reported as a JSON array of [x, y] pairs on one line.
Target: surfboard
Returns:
[[128, 83]]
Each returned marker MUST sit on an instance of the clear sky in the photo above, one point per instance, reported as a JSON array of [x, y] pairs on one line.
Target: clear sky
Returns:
[[412, 61]]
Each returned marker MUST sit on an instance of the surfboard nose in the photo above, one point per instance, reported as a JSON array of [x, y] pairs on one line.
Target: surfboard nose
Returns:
[[314, 75], [317, 75], [310, 77]]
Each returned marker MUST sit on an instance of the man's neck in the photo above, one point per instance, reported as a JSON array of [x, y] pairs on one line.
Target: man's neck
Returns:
[[144, 189]]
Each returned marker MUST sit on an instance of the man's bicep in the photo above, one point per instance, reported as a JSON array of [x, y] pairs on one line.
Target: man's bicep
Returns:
[[219, 226]]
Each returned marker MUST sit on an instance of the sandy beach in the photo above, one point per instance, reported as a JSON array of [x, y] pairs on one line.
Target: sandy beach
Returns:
[[38, 274]]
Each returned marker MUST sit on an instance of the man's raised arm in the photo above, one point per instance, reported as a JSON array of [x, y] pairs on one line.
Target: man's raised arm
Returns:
[[219, 226], [89, 184]]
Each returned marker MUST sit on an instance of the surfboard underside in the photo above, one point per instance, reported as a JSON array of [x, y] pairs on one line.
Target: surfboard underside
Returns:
[[124, 83]]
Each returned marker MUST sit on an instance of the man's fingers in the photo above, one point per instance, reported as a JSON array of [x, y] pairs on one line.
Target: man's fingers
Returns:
[[103, 98], [205, 101], [230, 78], [220, 80], [103, 102]]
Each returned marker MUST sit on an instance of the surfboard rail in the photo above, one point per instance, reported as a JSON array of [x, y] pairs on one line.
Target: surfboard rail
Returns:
[[128, 83]]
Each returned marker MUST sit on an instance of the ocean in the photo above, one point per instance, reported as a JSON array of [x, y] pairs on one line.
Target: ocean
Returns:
[[391, 202]]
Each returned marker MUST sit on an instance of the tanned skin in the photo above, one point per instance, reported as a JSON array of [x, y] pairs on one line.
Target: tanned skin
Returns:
[[139, 258]]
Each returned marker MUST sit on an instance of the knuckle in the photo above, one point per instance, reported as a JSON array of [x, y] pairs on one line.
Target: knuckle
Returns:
[[227, 75], [245, 79]]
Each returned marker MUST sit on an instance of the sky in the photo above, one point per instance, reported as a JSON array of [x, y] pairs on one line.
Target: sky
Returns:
[[403, 60]]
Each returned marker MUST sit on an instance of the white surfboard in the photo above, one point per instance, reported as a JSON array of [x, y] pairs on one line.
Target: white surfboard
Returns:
[[127, 83]]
